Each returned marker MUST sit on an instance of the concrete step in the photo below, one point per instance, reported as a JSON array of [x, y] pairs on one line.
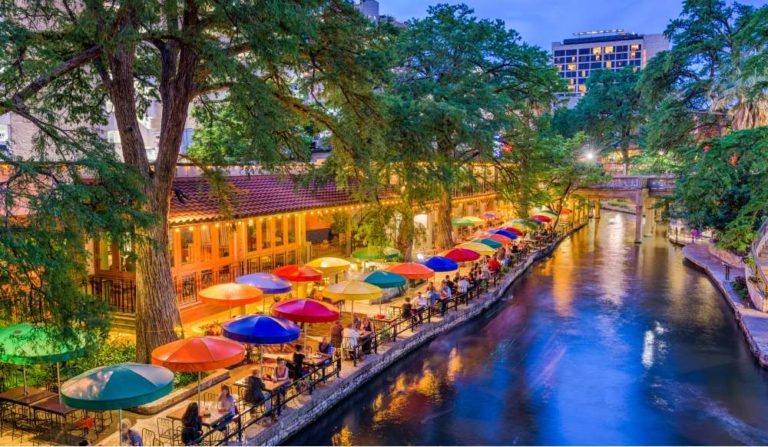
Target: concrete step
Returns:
[[123, 322]]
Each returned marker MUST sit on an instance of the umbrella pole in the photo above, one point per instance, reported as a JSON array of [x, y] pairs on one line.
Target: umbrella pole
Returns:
[[120, 425], [199, 376], [24, 377], [58, 379]]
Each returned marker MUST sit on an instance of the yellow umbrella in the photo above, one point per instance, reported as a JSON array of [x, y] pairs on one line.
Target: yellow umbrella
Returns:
[[480, 248], [329, 266], [352, 290], [474, 220]]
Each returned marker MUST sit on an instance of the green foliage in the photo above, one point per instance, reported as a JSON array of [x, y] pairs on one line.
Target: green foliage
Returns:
[[725, 188]]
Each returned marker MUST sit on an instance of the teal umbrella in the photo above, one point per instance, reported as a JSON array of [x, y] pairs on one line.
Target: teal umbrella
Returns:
[[115, 387], [32, 344], [489, 242], [373, 253], [385, 280]]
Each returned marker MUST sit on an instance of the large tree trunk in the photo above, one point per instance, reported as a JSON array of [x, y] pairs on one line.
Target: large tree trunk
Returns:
[[625, 159], [405, 234], [444, 236], [156, 311]]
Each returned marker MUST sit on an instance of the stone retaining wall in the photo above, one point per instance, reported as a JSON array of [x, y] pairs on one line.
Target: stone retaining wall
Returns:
[[323, 400]]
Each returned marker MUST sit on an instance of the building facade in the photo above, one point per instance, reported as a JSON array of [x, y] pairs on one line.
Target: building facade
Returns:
[[576, 58]]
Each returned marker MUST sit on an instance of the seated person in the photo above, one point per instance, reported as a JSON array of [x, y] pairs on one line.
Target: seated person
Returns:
[[281, 371], [298, 363]]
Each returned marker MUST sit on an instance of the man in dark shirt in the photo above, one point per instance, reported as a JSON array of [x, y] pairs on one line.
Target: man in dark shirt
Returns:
[[298, 362], [256, 388], [337, 334]]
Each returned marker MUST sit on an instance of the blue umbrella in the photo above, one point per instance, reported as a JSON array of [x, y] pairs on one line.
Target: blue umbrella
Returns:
[[261, 330], [505, 233], [268, 283], [441, 264], [385, 280]]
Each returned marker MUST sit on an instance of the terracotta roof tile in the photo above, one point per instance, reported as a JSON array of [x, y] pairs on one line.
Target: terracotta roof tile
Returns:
[[255, 195]]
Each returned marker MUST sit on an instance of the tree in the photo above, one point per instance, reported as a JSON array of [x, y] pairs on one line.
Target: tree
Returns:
[[610, 113], [282, 64], [461, 80]]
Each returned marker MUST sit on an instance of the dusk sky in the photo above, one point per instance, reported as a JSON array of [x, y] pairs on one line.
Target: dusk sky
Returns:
[[541, 22]]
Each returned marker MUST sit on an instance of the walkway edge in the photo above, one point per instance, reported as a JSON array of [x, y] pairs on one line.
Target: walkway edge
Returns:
[[753, 323], [324, 400]]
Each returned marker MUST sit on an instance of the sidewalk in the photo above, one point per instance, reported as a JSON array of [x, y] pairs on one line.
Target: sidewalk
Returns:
[[753, 323]]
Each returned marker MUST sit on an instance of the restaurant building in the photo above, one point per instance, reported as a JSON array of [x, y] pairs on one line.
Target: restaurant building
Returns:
[[266, 221]]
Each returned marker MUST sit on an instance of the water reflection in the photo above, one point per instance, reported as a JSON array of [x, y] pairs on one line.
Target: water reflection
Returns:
[[606, 343]]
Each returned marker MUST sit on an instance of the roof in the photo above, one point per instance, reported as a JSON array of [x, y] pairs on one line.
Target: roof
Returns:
[[256, 195]]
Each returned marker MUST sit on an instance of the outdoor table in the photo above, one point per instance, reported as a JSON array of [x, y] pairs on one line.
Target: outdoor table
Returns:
[[270, 385], [54, 408], [17, 396], [178, 414], [310, 359]]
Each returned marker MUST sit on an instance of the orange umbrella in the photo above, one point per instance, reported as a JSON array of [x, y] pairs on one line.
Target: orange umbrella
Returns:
[[565, 211], [298, 273], [198, 354], [412, 270], [498, 238], [231, 294]]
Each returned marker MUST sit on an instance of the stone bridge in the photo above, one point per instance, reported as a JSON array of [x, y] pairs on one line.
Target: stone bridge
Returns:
[[643, 191]]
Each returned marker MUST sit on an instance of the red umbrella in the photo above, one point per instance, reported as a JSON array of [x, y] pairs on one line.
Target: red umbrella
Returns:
[[198, 354], [412, 270], [565, 211], [541, 218], [298, 273], [306, 311], [513, 230], [231, 294], [461, 255], [498, 238]]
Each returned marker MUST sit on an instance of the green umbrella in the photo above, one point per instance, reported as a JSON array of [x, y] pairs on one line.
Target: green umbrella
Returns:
[[31, 344], [385, 280], [372, 253], [461, 222], [115, 387], [534, 223], [489, 242]]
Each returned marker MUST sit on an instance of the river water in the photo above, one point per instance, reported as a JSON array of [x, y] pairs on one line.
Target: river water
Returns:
[[607, 342]]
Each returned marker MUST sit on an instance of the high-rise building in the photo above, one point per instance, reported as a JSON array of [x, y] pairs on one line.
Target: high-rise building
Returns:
[[370, 9], [577, 57]]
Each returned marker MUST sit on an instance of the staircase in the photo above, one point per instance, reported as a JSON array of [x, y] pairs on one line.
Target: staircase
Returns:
[[123, 323]]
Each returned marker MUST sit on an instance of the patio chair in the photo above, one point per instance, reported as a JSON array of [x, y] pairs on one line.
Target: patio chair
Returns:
[[149, 437], [167, 432]]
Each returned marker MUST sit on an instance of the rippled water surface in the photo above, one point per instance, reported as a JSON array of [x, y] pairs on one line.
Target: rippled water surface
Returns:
[[608, 342]]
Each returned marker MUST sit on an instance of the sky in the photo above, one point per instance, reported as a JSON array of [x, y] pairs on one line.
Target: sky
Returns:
[[541, 22]]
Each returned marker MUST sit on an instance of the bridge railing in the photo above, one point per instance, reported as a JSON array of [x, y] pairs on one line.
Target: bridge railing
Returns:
[[760, 287], [630, 182]]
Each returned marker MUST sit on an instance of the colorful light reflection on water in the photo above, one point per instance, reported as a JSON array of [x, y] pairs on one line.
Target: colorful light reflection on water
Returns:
[[606, 343]]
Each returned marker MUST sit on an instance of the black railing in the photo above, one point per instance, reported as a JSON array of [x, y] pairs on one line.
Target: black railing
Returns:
[[223, 432], [120, 294]]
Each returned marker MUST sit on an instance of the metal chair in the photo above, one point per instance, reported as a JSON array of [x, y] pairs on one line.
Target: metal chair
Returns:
[[167, 432]]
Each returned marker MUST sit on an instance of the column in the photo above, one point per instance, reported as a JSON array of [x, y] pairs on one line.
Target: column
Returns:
[[649, 226], [597, 209], [348, 248], [638, 223]]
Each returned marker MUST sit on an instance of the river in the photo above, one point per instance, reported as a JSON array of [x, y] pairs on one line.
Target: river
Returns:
[[607, 342]]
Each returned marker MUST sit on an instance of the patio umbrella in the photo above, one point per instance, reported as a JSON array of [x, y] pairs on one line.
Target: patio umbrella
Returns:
[[306, 311], [198, 354], [565, 211], [441, 264], [329, 266], [231, 294], [474, 220], [506, 233], [540, 218], [489, 215], [412, 270], [462, 255], [461, 222], [374, 253], [518, 231], [352, 290], [261, 330], [31, 344], [500, 238], [480, 248], [385, 280], [298, 273], [268, 283], [489, 242], [115, 387]]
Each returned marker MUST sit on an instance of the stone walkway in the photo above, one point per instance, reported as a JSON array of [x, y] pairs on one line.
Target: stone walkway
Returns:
[[753, 323]]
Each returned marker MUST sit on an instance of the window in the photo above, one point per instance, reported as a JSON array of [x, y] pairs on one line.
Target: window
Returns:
[[105, 252], [187, 244], [621, 49], [595, 65], [279, 232], [266, 240], [5, 133], [572, 59], [113, 136], [608, 50], [206, 243], [186, 139], [251, 235], [127, 260], [583, 73], [571, 67], [608, 64], [597, 50], [291, 229], [583, 66], [571, 88], [559, 52], [225, 239], [634, 47], [582, 88], [570, 52], [584, 51]]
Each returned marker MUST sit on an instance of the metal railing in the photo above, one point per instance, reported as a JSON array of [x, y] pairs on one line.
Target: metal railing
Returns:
[[756, 247]]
